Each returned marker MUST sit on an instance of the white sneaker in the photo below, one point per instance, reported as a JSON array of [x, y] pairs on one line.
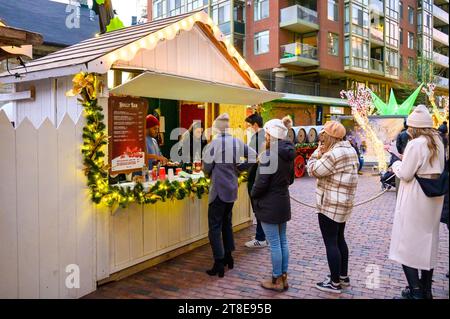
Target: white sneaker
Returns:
[[256, 244]]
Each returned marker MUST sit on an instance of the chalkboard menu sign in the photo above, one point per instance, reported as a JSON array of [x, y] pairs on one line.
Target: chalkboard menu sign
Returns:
[[126, 119]]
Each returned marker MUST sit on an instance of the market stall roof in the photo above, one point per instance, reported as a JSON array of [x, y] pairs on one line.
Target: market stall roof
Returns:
[[170, 86], [16, 42], [313, 99], [99, 54]]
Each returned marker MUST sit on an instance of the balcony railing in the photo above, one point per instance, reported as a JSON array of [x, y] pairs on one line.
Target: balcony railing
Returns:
[[377, 65], [298, 50], [440, 14], [441, 82], [440, 59], [376, 34], [299, 19], [392, 71], [440, 36], [296, 86]]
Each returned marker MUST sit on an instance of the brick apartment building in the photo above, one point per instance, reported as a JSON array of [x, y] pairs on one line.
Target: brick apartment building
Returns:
[[313, 49]]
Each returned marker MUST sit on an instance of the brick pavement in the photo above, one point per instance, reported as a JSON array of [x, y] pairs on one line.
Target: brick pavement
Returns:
[[368, 235]]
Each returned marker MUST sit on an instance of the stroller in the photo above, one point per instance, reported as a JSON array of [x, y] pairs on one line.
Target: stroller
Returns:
[[387, 180]]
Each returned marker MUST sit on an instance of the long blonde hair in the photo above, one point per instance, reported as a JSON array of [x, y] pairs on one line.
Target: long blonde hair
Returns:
[[329, 141], [430, 134]]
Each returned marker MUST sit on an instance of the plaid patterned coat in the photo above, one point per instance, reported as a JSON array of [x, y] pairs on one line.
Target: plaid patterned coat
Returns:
[[337, 176]]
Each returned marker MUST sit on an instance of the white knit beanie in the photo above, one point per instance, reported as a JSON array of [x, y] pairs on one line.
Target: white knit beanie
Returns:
[[221, 123], [420, 117], [276, 129]]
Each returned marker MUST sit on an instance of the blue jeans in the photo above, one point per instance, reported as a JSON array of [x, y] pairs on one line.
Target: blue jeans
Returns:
[[276, 236], [361, 163]]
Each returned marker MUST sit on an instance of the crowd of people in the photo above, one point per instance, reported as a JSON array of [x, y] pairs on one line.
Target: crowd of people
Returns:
[[422, 158]]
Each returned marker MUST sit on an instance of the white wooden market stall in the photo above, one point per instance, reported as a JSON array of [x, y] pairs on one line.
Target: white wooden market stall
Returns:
[[47, 220]]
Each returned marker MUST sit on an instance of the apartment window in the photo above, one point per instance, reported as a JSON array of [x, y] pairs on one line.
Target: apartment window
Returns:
[[392, 62], [410, 40], [392, 33], [347, 51], [401, 63], [261, 42], [159, 9], [333, 44], [261, 9], [333, 10], [401, 36], [400, 9], [360, 20], [221, 13], [392, 7], [410, 64], [410, 15], [360, 53]]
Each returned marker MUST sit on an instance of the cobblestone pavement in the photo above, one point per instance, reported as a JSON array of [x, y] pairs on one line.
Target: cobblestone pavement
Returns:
[[368, 236]]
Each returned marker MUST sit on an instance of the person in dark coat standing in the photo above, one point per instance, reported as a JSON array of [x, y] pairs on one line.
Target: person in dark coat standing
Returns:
[[443, 132], [257, 142], [271, 199], [401, 141], [221, 161]]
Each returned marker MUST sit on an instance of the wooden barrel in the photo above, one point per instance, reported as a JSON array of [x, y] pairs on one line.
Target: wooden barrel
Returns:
[[302, 137]]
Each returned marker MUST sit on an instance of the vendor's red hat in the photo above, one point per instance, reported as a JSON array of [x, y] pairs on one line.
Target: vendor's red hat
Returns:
[[151, 121]]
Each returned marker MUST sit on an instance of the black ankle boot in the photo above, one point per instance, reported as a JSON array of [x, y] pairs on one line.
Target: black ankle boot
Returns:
[[427, 283], [217, 269], [413, 293], [228, 261]]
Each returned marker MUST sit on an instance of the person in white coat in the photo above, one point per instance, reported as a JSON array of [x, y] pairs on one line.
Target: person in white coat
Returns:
[[415, 232]]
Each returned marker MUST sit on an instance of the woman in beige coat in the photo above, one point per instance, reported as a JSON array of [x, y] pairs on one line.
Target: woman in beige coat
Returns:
[[415, 232]]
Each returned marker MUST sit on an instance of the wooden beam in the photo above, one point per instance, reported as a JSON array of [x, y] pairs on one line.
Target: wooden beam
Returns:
[[17, 37], [18, 96]]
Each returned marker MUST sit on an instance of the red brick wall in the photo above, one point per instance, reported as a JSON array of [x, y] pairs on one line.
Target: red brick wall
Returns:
[[327, 61], [405, 53], [149, 10], [272, 58]]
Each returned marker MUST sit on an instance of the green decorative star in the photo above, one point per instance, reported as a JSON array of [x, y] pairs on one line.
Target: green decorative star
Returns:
[[392, 107], [114, 24]]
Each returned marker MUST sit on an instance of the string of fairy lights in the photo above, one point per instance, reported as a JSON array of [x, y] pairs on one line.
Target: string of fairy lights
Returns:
[[95, 140]]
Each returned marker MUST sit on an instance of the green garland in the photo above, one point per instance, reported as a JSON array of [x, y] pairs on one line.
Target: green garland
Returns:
[[95, 140]]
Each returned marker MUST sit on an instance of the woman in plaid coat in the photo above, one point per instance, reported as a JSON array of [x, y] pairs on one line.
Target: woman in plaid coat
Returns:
[[335, 165]]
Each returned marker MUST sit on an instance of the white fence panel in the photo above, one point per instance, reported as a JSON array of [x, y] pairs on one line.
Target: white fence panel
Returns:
[[27, 209], [8, 211]]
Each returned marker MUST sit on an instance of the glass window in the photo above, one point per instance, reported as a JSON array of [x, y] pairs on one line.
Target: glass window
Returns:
[[360, 20], [392, 62], [261, 9], [159, 9], [410, 15], [392, 33], [347, 50], [410, 64], [401, 36], [410, 40], [221, 13], [401, 63], [333, 44], [392, 8], [347, 18], [360, 53], [333, 10], [400, 9], [261, 42]]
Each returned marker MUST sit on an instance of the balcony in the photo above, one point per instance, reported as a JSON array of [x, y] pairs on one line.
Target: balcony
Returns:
[[441, 82], [440, 37], [377, 66], [392, 72], [299, 54], [299, 19], [376, 7], [376, 36], [440, 15], [440, 59]]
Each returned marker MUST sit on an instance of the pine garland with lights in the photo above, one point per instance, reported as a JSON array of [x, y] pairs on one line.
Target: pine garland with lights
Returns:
[[96, 170]]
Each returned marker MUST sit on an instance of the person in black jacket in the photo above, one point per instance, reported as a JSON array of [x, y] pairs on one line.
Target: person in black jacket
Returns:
[[257, 142], [271, 200], [192, 143]]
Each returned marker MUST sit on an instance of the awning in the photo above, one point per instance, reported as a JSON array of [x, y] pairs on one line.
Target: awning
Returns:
[[313, 99], [174, 87]]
